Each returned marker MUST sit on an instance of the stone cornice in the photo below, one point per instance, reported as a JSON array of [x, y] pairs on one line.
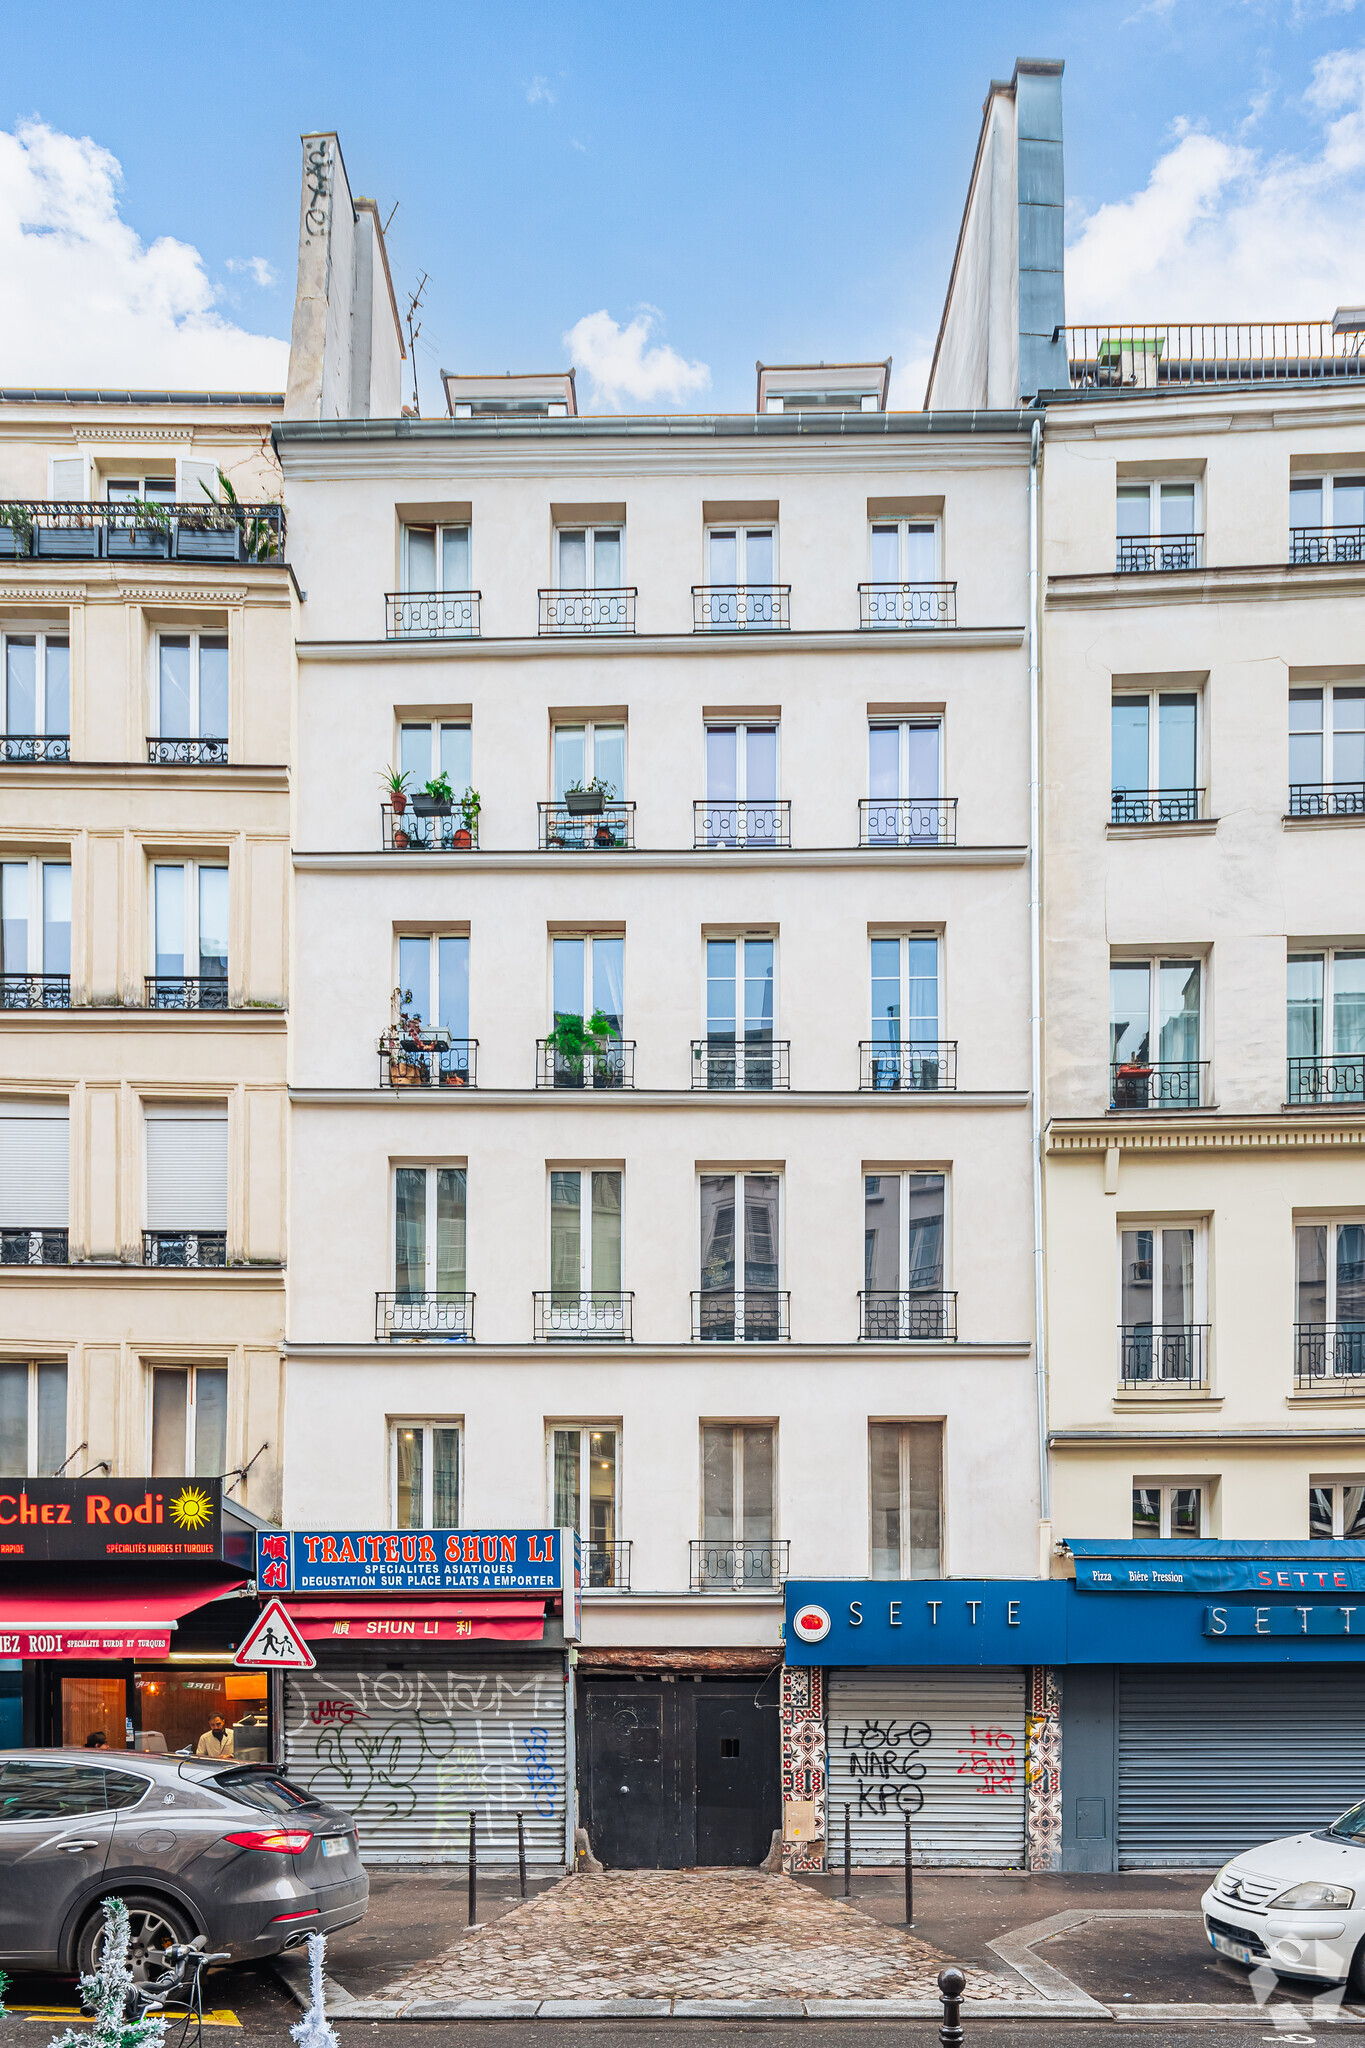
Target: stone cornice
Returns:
[[645, 860], [644, 1352], [56, 775], [1289, 1131], [137, 1017], [1273, 580], [99, 1273], [104, 582], [1211, 1439], [598, 1101], [594, 648]]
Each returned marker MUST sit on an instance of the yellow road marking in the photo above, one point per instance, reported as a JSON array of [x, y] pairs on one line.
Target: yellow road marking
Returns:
[[70, 2012]]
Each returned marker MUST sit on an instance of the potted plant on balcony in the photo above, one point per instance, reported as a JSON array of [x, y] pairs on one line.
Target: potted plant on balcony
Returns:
[[403, 1042], [471, 803], [147, 534], [436, 799], [573, 1043], [16, 530], [394, 782], [1131, 1084], [584, 799]]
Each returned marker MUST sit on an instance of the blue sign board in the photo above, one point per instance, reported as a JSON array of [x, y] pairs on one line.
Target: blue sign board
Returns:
[[342, 1560], [1266, 1620], [926, 1621], [1211, 1566]]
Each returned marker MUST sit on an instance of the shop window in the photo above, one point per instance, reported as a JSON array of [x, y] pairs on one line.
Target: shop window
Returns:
[[32, 1420], [1167, 1511], [1336, 1510], [171, 1712], [189, 1421], [424, 1467], [905, 1484]]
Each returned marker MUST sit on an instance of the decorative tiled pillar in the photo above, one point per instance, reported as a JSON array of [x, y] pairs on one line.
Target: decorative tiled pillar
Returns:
[[803, 1755], [1043, 1769]]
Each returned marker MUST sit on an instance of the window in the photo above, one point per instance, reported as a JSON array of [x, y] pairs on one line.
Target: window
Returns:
[[191, 699], [905, 1462], [1154, 1034], [429, 1232], [186, 1186], [37, 697], [35, 934], [905, 783], [435, 559], [585, 1253], [189, 936], [189, 1421], [433, 973], [741, 578], [593, 964], [904, 551], [1154, 771], [1327, 753], [583, 1494], [32, 1420], [583, 754], [1336, 1511], [904, 1265], [589, 558], [153, 490], [1162, 1330], [1167, 1511], [1325, 1027], [1158, 526], [905, 1050], [739, 1048], [429, 748], [34, 1150], [739, 1296], [1326, 518], [48, 1791], [738, 1482], [741, 807], [1329, 1305], [424, 1474]]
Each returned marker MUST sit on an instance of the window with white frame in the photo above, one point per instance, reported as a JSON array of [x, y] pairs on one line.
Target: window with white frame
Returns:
[[1329, 1300], [429, 1238], [151, 489], [588, 965], [589, 558], [739, 1049], [742, 806], [1327, 518], [1336, 1510], [424, 1474], [436, 559], [191, 699], [903, 550], [1167, 1510], [1159, 525], [1327, 752], [32, 1420], [1325, 1026], [905, 1049], [1154, 1034], [35, 933], [189, 934], [905, 1497], [587, 755], [585, 1252], [905, 1217], [186, 1184], [740, 1295], [189, 1421], [738, 1504], [583, 1493], [35, 1146], [741, 577], [433, 974], [37, 706], [1163, 1327], [1154, 757], [431, 747], [905, 782]]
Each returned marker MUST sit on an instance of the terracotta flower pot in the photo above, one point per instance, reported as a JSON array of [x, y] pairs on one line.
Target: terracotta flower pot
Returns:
[[462, 838], [400, 838], [400, 802]]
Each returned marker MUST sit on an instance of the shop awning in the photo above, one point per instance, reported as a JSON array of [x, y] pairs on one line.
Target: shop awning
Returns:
[[414, 1619], [71, 1623]]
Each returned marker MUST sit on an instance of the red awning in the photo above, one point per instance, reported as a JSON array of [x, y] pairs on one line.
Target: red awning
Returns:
[[90, 1624], [418, 1619]]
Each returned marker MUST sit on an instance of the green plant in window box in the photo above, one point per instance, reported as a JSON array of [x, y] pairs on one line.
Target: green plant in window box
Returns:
[[584, 799], [574, 1043]]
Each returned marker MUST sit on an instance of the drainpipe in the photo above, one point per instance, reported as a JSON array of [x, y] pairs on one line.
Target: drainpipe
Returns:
[[1035, 912]]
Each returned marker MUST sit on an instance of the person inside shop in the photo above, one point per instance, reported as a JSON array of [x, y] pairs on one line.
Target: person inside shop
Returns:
[[216, 1740], [97, 1739]]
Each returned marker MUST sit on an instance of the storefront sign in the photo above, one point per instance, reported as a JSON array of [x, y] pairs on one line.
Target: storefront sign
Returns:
[[84, 1642], [76, 1520], [419, 1561], [926, 1621], [1211, 1566], [1285, 1621]]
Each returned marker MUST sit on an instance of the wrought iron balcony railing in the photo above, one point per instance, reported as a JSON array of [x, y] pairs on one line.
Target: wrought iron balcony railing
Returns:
[[432, 614], [423, 1318], [35, 991], [1327, 800], [561, 1313], [908, 1063], [187, 753], [907, 821], [1315, 1078], [184, 1247], [587, 611], [741, 1063], [37, 1247], [1156, 806], [427, 1059], [410, 831], [907, 604], [1171, 1355], [737, 607], [761, 824], [741, 1315], [606, 1566], [563, 830], [1169, 552], [607, 1066], [19, 747], [1327, 544], [754, 1566], [38, 529], [186, 991], [914, 1315], [1324, 1352], [1215, 352], [1158, 1084]]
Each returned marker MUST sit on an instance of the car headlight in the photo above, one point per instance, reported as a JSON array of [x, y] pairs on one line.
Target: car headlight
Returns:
[[1316, 1898]]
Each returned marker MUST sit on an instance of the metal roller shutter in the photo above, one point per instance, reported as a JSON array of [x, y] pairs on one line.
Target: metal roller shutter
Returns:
[[187, 1169], [1210, 1762], [948, 1746], [409, 1752], [34, 1144]]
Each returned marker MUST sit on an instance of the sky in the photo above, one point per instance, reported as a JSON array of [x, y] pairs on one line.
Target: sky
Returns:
[[659, 193]]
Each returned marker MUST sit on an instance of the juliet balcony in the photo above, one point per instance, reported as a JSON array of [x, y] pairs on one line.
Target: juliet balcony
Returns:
[[761, 824], [586, 823], [907, 821], [606, 1566], [35, 991], [568, 1314], [756, 1565], [186, 991], [1317, 544], [1313, 1078], [406, 1316], [184, 1248], [908, 1316], [910, 1065], [32, 1247], [1158, 1084], [48, 530], [1327, 800], [17, 748], [425, 825], [741, 607], [1164, 1356], [412, 1058], [741, 1315], [202, 753], [906, 606], [1328, 1354], [587, 611], [1155, 806], [744, 1064], [1159, 554], [432, 614], [589, 1062]]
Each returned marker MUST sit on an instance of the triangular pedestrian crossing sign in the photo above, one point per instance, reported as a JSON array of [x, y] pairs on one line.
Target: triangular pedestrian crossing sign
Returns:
[[274, 1644]]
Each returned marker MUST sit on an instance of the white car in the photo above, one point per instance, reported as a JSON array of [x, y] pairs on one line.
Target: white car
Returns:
[[1296, 1905]]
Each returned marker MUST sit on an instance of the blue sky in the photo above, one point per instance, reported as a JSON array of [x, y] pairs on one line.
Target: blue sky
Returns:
[[782, 181]]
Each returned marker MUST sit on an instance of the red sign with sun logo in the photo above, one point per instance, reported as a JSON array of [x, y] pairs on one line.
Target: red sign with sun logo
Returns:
[[166, 1520]]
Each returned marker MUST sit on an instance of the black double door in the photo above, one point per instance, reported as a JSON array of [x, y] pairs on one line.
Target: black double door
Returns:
[[676, 1772]]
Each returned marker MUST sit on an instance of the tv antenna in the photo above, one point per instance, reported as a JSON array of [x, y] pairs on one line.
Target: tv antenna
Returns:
[[414, 328]]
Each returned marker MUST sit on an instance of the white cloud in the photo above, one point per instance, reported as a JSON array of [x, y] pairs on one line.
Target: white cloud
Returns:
[[257, 269], [537, 89], [85, 302], [1225, 231], [622, 364]]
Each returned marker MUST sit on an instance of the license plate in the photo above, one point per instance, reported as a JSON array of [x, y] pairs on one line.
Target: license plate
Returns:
[[336, 1845], [1234, 1949]]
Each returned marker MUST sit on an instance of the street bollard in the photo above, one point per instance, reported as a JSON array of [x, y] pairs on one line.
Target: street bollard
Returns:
[[848, 1856], [951, 1985], [521, 1855], [473, 1876], [909, 1879]]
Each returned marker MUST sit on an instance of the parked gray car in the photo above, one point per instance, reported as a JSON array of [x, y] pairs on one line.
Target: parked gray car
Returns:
[[228, 1850]]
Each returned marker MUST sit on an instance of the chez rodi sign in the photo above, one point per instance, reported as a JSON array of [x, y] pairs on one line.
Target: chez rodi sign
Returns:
[[343, 1560], [71, 1521]]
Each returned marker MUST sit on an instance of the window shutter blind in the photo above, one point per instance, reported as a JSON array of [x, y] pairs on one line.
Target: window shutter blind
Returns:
[[33, 1166], [67, 478], [187, 1169], [195, 480]]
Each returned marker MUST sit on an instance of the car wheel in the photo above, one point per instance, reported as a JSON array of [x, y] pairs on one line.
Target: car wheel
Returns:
[[153, 1924], [1355, 1976]]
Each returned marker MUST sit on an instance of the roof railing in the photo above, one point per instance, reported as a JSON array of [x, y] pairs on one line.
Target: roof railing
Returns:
[[1162, 357]]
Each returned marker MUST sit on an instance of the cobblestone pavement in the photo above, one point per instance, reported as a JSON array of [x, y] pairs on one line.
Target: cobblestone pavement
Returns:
[[687, 1934]]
